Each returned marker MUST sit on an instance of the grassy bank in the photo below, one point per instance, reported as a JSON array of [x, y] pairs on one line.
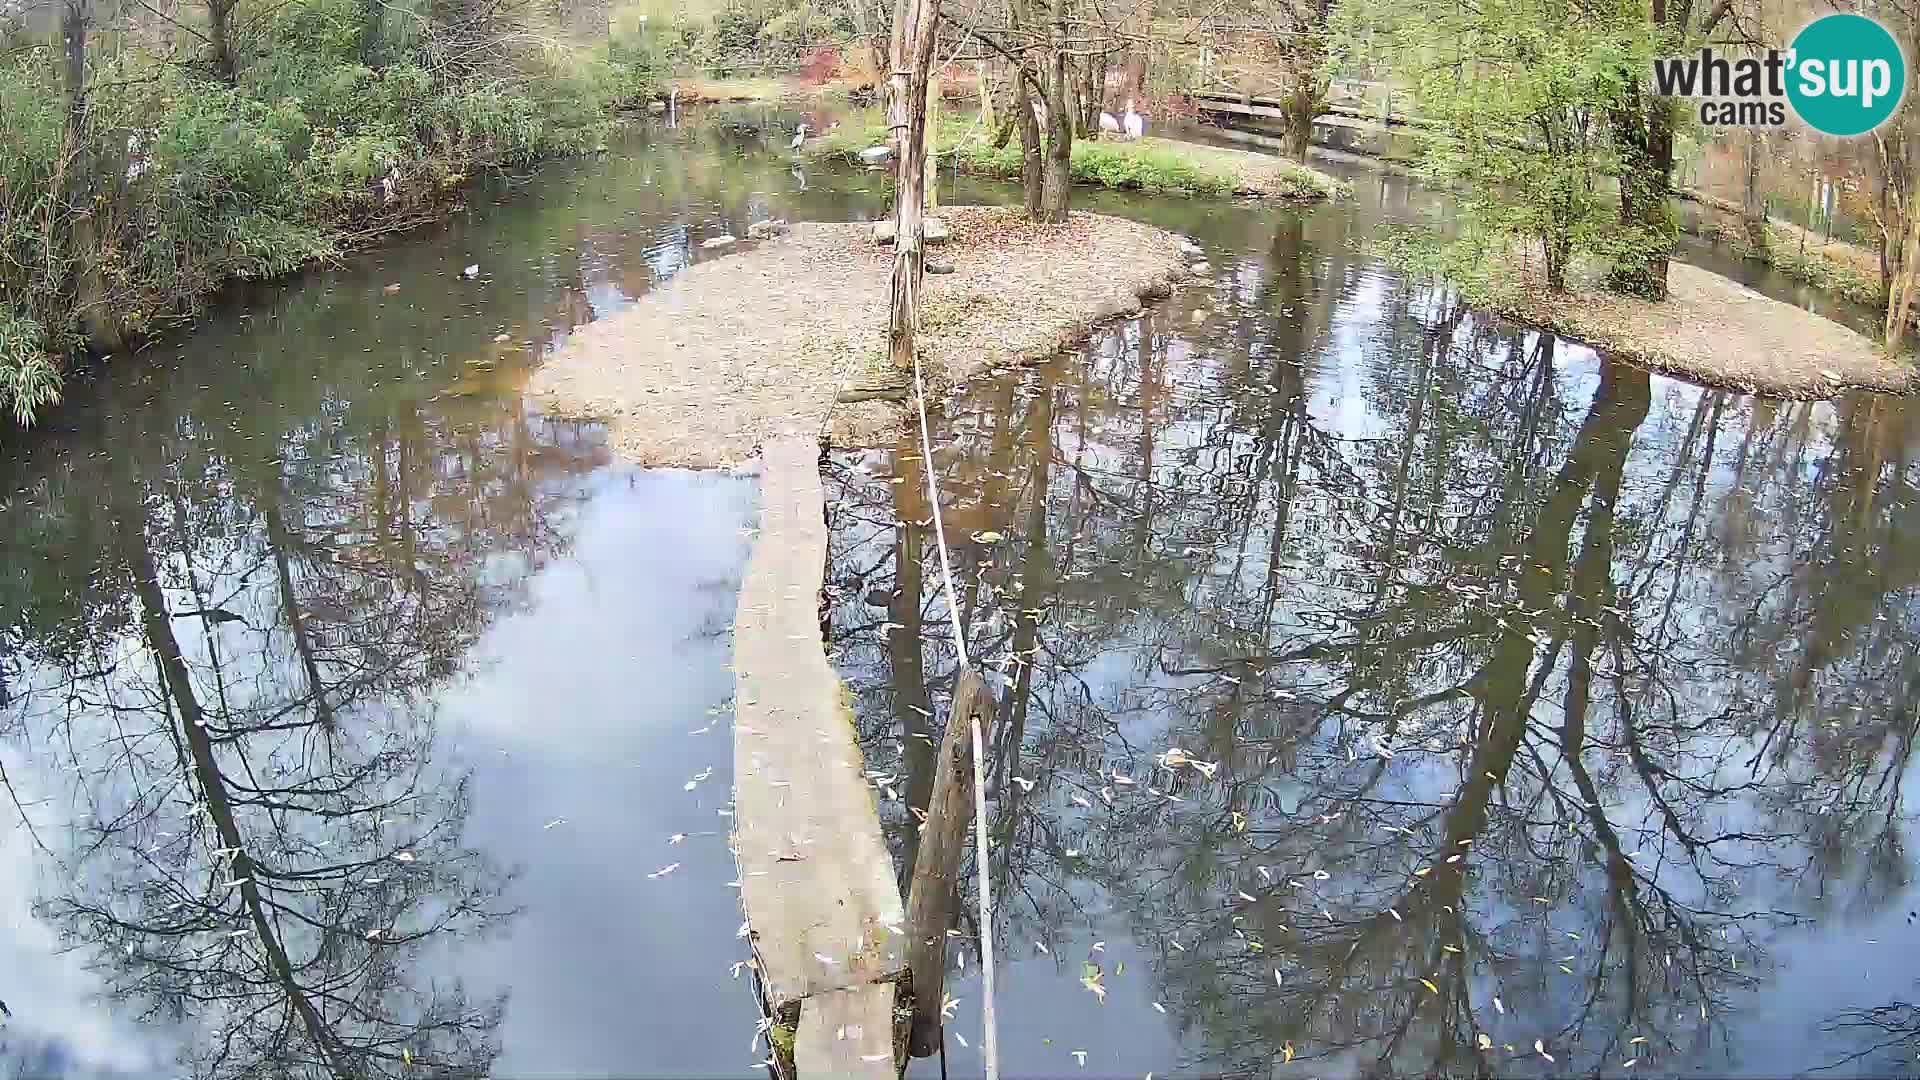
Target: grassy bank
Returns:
[[322, 128], [1847, 270], [1155, 166]]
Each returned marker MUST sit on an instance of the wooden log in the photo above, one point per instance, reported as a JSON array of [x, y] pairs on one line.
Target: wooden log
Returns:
[[942, 839]]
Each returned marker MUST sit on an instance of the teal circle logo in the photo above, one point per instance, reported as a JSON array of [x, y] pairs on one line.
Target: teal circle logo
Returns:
[[1846, 74]]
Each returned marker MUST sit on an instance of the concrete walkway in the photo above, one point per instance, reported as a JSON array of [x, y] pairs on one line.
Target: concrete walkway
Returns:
[[816, 879]]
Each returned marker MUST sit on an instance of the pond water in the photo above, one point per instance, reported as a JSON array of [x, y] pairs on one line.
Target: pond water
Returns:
[[358, 719]]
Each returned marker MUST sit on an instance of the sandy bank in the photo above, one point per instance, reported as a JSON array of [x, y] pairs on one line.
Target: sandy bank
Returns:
[[759, 342], [1713, 330]]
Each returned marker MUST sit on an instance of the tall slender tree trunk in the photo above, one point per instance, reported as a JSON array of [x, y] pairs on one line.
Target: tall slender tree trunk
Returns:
[[984, 86], [1900, 290], [372, 16], [930, 150]]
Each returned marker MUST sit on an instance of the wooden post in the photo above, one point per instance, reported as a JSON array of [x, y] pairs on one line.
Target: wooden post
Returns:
[[942, 839]]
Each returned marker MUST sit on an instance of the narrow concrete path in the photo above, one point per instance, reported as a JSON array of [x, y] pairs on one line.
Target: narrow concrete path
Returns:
[[823, 908]]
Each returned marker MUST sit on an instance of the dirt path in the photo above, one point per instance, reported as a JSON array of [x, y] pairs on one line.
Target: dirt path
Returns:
[[756, 344]]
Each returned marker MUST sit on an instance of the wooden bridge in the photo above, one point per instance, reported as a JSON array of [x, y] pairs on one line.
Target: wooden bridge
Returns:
[[1356, 116]]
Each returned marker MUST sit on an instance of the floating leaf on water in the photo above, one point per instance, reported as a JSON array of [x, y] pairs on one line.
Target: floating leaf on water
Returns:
[[961, 1039], [825, 959], [1287, 1051], [1276, 976], [1629, 1063], [665, 870], [1499, 1008], [1081, 1057], [1428, 983], [1159, 1007], [875, 1057], [1486, 1041], [987, 536]]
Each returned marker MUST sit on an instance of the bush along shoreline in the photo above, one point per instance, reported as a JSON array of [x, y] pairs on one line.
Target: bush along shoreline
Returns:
[[136, 181]]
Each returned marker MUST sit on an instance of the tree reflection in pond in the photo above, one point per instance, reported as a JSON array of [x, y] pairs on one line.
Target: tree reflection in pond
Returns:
[[1540, 701], [233, 667]]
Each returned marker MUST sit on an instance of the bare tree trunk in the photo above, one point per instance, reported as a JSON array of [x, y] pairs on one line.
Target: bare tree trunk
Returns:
[[1900, 291], [1136, 63], [1093, 95], [220, 39], [985, 87], [1057, 177], [1753, 209], [82, 237], [1031, 169], [909, 237], [371, 16]]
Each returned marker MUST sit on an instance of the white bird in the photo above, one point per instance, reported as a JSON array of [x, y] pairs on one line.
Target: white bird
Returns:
[[1108, 123], [799, 136], [472, 271], [1135, 124]]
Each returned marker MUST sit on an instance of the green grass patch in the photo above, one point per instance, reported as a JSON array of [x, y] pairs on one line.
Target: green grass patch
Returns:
[[1153, 166]]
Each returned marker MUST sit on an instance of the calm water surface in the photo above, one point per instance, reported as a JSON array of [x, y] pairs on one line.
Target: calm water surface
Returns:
[[359, 720]]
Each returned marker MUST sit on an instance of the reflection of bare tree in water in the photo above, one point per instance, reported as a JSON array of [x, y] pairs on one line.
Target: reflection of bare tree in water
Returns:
[[267, 853], [1480, 691]]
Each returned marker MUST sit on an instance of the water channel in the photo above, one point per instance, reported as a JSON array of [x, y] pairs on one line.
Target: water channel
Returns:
[[1385, 689]]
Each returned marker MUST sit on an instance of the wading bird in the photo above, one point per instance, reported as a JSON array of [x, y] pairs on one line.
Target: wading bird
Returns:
[[1136, 125], [1108, 124], [799, 136]]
